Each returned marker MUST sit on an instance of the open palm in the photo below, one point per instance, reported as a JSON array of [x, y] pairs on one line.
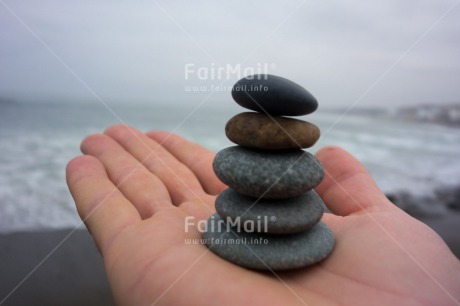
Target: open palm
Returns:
[[134, 190]]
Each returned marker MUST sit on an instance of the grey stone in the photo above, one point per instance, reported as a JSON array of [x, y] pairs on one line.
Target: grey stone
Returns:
[[269, 252], [282, 216], [266, 93], [267, 173]]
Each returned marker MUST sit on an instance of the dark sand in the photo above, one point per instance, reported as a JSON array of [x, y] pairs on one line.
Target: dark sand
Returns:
[[448, 227], [74, 274]]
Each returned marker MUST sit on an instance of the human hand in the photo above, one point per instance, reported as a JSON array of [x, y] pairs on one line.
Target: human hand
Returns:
[[134, 194]]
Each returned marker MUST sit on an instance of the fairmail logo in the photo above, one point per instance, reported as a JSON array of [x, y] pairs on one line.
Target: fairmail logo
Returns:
[[226, 72]]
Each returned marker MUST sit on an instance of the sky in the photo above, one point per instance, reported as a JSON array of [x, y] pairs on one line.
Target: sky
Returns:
[[364, 53]]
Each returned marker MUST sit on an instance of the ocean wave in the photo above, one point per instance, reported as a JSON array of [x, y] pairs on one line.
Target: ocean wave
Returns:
[[411, 162]]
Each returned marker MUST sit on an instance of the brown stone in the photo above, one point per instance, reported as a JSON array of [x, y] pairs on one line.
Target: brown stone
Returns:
[[257, 130]]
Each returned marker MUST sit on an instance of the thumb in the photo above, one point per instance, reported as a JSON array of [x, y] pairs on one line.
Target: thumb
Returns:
[[347, 187]]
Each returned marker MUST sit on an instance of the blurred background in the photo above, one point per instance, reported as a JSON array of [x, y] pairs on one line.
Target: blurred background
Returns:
[[386, 75]]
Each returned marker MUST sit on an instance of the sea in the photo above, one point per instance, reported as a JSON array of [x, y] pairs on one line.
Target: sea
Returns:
[[405, 157]]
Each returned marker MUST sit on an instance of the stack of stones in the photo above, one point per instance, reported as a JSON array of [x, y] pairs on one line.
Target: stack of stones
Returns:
[[269, 217]]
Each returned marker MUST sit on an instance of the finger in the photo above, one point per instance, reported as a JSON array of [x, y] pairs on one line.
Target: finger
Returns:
[[103, 208], [145, 191], [182, 184], [347, 187], [194, 156]]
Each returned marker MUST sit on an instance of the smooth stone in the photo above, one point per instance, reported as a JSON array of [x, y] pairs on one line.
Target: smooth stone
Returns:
[[266, 93], [267, 173], [264, 132], [279, 216], [266, 251]]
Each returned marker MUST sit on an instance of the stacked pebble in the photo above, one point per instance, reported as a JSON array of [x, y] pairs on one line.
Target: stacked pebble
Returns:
[[269, 217]]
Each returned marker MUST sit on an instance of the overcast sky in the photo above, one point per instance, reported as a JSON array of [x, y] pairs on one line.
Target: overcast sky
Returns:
[[375, 53]]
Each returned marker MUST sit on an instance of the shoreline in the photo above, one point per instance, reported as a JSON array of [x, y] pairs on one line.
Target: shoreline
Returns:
[[440, 211], [74, 274], [443, 201]]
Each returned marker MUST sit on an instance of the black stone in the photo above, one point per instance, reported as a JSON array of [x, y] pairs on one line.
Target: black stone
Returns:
[[283, 216], [269, 174], [268, 252], [277, 96]]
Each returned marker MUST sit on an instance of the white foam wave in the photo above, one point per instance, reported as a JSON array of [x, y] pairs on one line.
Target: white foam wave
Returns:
[[412, 157]]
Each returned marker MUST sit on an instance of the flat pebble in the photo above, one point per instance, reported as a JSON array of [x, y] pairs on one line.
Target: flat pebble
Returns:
[[269, 252], [282, 216], [266, 93], [269, 174], [264, 132]]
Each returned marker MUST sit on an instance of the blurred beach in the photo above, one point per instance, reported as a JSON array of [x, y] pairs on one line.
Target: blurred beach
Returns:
[[416, 163], [73, 68], [414, 160]]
